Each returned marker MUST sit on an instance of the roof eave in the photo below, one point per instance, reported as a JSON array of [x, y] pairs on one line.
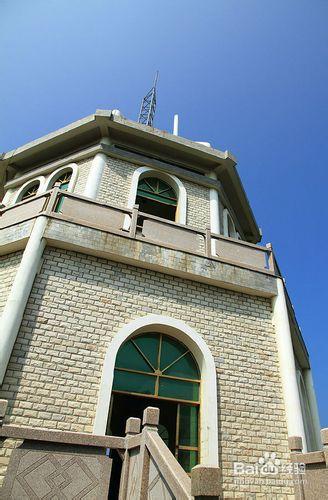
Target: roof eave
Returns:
[[103, 122]]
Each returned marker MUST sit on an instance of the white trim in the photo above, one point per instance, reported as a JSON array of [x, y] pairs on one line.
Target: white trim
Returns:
[[292, 402], [306, 412], [313, 407], [214, 206], [214, 211], [53, 176], [8, 194], [96, 172], [95, 176], [226, 217], [204, 358], [13, 311], [172, 180], [19, 193]]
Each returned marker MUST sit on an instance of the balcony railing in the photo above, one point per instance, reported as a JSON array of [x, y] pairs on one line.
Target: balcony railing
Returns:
[[59, 464], [140, 226]]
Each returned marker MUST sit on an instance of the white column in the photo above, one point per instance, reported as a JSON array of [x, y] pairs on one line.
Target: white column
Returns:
[[308, 381], [176, 125], [288, 375], [14, 309], [214, 210], [96, 172], [7, 196]]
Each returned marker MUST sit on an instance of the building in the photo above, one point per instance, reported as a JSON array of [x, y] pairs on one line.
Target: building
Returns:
[[132, 276]]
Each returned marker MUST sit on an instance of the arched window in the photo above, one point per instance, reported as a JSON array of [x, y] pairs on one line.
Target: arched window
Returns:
[[156, 369], [65, 177], [63, 180], [30, 191], [156, 197]]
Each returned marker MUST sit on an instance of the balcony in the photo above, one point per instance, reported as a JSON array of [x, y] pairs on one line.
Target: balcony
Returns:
[[207, 250]]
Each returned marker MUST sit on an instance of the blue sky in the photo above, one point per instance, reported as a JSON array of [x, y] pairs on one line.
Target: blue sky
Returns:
[[248, 76]]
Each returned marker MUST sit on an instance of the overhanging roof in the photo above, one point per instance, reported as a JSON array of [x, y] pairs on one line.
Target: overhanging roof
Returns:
[[143, 139]]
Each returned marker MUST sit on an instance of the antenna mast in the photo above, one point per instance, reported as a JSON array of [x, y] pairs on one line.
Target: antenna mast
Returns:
[[148, 105]]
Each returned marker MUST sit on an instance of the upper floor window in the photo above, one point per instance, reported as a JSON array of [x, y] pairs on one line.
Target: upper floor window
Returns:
[[64, 177], [29, 191], [63, 180], [156, 197]]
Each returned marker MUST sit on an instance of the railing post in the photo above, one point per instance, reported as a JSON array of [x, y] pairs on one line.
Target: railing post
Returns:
[[51, 205], [150, 419], [295, 444], [134, 219], [208, 242], [149, 422], [206, 482], [324, 439], [132, 428]]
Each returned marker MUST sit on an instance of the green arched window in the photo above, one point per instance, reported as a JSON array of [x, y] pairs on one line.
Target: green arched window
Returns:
[[30, 191], [63, 180], [157, 365], [156, 197], [154, 365]]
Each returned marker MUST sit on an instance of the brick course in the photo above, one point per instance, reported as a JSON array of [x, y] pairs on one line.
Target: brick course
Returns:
[[83, 172], [8, 268]]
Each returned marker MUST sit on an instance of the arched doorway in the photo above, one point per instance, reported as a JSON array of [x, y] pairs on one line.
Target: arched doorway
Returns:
[[155, 369], [208, 421]]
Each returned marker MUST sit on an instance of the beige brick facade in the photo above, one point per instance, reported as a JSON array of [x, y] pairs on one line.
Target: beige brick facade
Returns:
[[83, 172], [78, 303], [116, 182], [8, 267]]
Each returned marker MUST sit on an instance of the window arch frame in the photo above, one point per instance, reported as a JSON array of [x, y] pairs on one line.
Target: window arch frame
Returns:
[[157, 371], [171, 180], [62, 170], [18, 196], [208, 442]]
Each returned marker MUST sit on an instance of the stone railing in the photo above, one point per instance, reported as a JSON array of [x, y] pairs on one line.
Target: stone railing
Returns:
[[60, 464], [141, 226], [313, 484]]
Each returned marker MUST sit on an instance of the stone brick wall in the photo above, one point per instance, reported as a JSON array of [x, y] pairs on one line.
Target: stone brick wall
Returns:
[[198, 205], [8, 267], [83, 169], [77, 305], [116, 184]]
